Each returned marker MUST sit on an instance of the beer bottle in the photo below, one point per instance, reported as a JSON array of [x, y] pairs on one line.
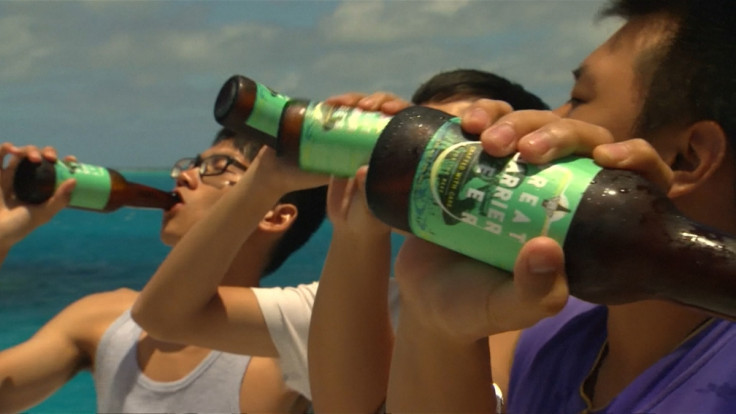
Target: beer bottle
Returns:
[[98, 188], [623, 239], [316, 136]]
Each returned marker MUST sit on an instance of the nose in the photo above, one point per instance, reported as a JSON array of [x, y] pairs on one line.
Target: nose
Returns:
[[188, 178]]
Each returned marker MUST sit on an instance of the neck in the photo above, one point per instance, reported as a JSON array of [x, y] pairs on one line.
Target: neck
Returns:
[[662, 326], [639, 334]]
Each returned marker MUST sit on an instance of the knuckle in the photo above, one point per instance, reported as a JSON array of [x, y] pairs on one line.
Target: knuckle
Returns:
[[494, 107]]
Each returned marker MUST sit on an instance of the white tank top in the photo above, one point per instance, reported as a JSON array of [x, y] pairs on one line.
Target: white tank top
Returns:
[[212, 387]]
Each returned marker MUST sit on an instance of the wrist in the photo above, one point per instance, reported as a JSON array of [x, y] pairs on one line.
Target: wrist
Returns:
[[361, 236]]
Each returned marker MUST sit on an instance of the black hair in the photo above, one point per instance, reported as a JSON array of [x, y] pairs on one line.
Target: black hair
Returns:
[[472, 83], [248, 146], [692, 75], [310, 204]]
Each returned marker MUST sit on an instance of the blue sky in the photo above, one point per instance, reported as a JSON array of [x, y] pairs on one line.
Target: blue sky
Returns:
[[131, 83]]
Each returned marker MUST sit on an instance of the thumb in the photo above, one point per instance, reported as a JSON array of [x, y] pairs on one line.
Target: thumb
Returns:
[[62, 195], [539, 276]]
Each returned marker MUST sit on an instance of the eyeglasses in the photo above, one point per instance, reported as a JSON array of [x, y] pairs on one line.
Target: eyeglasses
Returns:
[[206, 167]]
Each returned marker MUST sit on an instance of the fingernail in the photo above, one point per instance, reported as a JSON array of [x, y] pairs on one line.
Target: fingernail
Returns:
[[503, 135], [476, 116], [367, 102], [541, 264], [617, 151], [538, 142]]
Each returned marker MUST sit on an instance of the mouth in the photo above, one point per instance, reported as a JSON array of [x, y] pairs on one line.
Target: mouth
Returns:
[[178, 202]]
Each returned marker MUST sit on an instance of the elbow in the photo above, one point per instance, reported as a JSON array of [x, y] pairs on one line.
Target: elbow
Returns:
[[157, 324]]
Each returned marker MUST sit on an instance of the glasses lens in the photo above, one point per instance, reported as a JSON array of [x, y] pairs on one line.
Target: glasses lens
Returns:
[[181, 166], [214, 165]]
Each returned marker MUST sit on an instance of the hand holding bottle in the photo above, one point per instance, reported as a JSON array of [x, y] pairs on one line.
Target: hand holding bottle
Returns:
[[615, 244], [544, 136], [386, 102], [430, 177], [18, 219], [348, 211], [444, 286], [347, 208]]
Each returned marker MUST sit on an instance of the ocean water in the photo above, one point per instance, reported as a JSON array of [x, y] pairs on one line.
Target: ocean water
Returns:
[[81, 252]]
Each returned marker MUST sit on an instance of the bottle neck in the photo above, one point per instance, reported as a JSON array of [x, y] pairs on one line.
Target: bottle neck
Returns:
[[703, 262], [143, 196], [329, 139], [627, 242]]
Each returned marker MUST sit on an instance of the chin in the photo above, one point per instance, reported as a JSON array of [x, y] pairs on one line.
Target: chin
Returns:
[[168, 237]]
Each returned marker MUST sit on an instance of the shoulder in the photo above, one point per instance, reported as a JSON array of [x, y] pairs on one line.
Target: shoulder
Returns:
[[90, 316], [297, 298], [104, 304], [79, 327]]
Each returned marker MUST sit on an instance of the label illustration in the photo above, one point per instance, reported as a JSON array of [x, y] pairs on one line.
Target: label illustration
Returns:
[[486, 207], [93, 184], [267, 110], [337, 139]]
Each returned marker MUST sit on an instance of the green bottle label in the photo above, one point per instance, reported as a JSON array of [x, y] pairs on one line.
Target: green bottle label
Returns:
[[486, 207], [337, 140], [93, 184], [267, 109]]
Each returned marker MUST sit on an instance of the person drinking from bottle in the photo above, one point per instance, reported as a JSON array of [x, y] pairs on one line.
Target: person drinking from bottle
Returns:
[[664, 76], [133, 370]]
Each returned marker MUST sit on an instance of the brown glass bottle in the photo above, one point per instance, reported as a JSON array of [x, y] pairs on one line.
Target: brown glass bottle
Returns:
[[625, 240], [97, 189], [316, 136]]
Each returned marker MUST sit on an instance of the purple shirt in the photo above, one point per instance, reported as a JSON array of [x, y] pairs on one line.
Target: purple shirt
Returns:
[[553, 358]]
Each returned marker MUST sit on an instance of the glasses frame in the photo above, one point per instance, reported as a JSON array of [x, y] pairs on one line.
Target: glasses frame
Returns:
[[201, 164]]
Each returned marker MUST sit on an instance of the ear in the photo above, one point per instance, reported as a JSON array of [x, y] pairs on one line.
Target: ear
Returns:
[[700, 153], [279, 218]]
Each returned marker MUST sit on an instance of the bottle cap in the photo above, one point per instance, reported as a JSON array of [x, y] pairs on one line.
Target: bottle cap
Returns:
[[235, 101]]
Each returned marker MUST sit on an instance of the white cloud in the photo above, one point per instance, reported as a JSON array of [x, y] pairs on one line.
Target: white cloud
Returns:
[[20, 50], [152, 68]]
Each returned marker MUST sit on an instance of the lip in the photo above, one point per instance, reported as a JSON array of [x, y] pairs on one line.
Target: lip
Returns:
[[176, 206]]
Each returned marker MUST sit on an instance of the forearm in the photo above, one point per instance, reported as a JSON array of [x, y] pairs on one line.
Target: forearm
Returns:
[[432, 373], [174, 302], [351, 338]]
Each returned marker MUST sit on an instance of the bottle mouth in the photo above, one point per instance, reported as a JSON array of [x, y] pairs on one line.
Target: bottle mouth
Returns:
[[175, 198], [226, 98]]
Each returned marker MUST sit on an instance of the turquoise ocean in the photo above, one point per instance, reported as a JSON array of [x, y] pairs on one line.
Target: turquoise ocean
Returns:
[[81, 252]]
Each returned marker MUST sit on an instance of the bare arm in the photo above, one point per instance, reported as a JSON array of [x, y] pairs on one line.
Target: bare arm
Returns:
[[182, 301], [435, 374], [350, 338], [33, 370], [450, 305]]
